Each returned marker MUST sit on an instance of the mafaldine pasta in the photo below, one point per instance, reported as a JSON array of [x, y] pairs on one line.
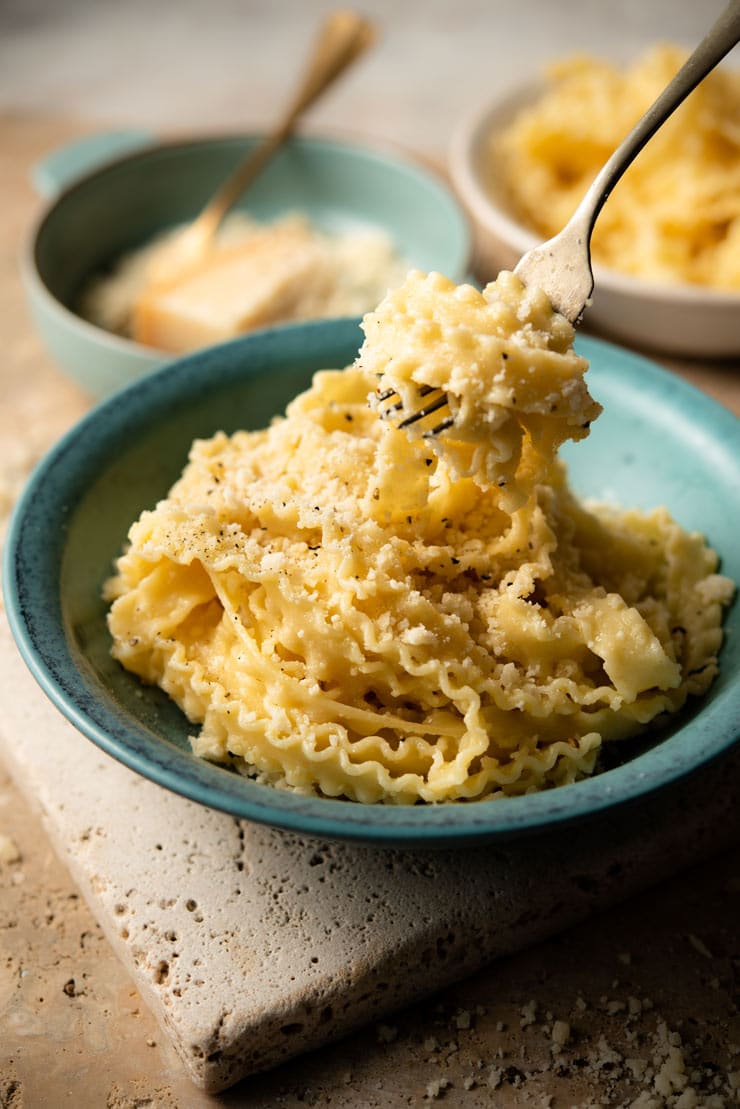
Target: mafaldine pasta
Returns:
[[353, 610], [675, 216]]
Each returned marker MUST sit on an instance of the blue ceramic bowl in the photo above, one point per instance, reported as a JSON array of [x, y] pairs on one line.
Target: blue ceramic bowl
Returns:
[[659, 441], [105, 204]]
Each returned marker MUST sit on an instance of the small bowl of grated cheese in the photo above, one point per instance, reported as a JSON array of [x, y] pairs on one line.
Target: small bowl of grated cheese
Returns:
[[325, 229], [666, 247]]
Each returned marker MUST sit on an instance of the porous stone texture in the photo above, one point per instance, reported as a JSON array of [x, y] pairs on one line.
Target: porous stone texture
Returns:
[[251, 945]]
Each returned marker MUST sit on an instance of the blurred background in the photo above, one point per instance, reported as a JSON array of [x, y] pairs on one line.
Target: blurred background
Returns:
[[228, 64], [69, 68]]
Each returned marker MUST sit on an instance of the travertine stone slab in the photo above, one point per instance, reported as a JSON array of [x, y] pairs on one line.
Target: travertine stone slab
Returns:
[[251, 945]]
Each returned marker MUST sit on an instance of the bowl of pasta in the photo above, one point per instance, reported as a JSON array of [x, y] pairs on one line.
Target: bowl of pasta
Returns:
[[666, 245], [233, 578]]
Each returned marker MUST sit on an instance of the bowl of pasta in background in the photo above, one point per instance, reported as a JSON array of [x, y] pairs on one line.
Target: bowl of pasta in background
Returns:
[[109, 194], [677, 319], [658, 442]]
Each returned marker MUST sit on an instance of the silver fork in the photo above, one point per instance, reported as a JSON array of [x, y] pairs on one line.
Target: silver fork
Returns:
[[561, 267]]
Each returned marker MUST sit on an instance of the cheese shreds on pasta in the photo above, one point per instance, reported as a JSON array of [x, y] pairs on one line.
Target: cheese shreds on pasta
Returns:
[[352, 610], [675, 215]]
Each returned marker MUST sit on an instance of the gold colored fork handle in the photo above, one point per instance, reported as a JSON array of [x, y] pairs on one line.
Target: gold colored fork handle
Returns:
[[343, 38], [711, 50]]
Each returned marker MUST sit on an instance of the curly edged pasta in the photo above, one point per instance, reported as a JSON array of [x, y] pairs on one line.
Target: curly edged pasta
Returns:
[[505, 360], [675, 216], [345, 611]]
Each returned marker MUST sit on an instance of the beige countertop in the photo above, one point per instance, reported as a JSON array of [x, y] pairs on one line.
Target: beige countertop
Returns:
[[644, 984]]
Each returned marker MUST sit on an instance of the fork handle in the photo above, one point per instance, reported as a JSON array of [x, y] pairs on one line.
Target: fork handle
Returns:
[[344, 36], [716, 43]]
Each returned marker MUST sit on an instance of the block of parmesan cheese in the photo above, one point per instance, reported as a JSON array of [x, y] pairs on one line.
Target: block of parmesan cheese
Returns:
[[232, 290]]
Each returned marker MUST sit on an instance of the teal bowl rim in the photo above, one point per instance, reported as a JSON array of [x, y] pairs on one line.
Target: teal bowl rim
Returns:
[[62, 476], [376, 151]]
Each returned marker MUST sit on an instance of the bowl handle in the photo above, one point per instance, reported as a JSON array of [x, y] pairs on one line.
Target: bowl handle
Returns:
[[65, 165]]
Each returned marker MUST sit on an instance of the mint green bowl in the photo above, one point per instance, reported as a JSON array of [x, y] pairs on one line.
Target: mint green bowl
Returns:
[[98, 213], [658, 441]]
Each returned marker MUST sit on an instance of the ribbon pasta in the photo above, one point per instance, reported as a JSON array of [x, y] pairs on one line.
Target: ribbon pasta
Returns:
[[352, 611], [675, 215]]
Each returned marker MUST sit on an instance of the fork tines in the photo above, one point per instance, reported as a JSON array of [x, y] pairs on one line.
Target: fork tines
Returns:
[[428, 409], [424, 390], [434, 406]]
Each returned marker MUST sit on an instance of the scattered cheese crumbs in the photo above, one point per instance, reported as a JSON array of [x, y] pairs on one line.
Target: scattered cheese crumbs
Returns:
[[633, 1065], [646, 1101], [560, 1032], [607, 1054], [672, 1074], [436, 1088], [495, 1077]]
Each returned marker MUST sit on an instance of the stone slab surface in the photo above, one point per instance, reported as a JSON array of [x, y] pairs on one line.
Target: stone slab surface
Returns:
[[251, 945]]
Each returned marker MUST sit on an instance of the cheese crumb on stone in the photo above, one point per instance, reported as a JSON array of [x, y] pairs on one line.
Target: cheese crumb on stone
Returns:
[[560, 1032], [9, 851]]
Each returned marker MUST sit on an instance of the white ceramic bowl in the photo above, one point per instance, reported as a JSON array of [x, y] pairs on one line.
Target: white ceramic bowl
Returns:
[[682, 320]]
